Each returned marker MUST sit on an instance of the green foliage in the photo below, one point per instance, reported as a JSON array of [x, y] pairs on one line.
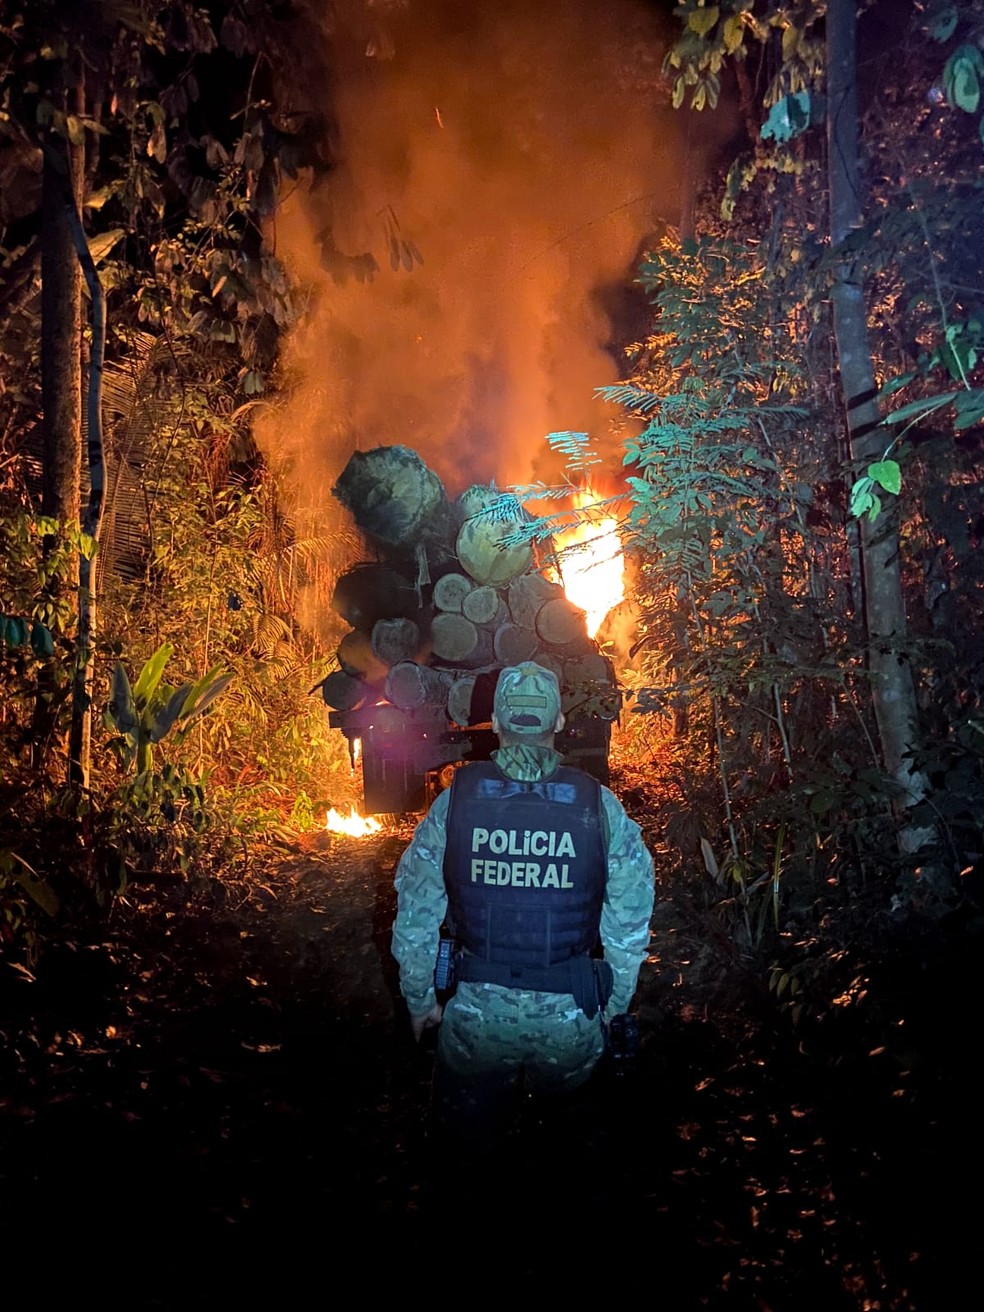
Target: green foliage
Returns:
[[714, 34], [885, 474], [158, 821], [788, 117], [23, 892], [146, 713]]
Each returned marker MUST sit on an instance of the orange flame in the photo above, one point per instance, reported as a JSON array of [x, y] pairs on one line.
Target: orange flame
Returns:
[[592, 563], [353, 824]]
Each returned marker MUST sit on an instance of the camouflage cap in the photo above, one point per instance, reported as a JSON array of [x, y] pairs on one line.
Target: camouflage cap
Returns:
[[527, 699]]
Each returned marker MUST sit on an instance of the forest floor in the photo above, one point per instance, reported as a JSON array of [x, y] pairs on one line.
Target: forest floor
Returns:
[[212, 1099]]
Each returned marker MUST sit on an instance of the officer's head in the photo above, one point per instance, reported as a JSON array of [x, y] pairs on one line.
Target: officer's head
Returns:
[[526, 708]]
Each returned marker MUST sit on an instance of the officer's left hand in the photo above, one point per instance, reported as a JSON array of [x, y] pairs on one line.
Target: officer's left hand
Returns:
[[420, 1023]]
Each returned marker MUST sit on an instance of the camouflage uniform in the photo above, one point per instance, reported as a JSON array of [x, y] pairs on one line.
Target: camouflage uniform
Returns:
[[490, 1033]]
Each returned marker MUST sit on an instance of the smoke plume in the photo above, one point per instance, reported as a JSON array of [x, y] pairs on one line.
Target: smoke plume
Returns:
[[500, 167]]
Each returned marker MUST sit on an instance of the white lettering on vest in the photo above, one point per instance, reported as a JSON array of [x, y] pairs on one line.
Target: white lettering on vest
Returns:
[[521, 874], [524, 842]]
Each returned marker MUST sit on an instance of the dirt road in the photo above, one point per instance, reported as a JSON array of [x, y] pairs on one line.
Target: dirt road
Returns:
[[215, 1100]]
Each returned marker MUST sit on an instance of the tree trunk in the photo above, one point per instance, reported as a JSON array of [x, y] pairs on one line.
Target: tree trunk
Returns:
[[80, 736], [357, 658], [514, 644], [395, 640], [61, 334], [483, 605], [450, 591], [61, 382], [342, 692], [893, 689], [409, 685]]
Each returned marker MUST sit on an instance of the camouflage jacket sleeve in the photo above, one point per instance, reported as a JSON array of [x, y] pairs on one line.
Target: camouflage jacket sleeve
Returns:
[[421, 906], [628, 906]]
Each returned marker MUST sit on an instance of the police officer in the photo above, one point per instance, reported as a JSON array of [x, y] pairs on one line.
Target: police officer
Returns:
[[532, 864]]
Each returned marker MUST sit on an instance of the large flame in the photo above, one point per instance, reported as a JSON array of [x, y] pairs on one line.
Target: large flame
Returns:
[[353, 824], [592, 563]]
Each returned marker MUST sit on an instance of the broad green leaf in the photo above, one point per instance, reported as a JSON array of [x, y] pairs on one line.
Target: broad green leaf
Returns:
[[150, 675], [41, 640], [919, 407], [966, 89], [969, 407], [862, 497], [204, 692], [166, 715], [959, 350], [732, 33], [702, 20], [887, 474], [961, 77], [121, 704], [895, 384], [15, 631]]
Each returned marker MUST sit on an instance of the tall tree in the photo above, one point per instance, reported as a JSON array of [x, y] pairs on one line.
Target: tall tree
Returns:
[[893, 688], [813, 50], [61, 341]]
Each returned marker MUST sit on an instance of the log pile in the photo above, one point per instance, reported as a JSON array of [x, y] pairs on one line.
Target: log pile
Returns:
[[449, 603]]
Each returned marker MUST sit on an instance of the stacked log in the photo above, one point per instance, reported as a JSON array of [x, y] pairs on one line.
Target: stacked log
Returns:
[[451, 602]]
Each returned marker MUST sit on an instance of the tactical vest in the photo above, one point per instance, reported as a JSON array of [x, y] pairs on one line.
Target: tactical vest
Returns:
[[525, 869]]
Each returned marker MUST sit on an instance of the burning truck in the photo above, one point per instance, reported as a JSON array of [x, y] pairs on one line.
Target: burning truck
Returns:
[[448, 601]]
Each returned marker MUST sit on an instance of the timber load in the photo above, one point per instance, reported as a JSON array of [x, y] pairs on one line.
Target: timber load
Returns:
[[449, 601]]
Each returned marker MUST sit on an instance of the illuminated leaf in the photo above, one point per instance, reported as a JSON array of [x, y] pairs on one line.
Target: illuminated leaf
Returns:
[[121, 704], [168, 713], [961, 77], [150, 675], [920, 407], [101, 245], [887, 474], [862, 497], [788, 117], [710, 860], [732, 33], [702, 20], [966, 88]]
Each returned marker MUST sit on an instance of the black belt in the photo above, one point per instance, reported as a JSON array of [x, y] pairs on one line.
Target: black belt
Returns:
[[587, 979]]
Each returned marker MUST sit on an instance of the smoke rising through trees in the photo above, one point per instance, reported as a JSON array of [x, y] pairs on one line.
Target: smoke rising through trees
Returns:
[[510, 160]]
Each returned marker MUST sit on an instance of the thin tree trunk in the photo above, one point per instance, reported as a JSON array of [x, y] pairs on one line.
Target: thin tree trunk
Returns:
[[893, 689], [61, 388], [61, 330], [81, 730]]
